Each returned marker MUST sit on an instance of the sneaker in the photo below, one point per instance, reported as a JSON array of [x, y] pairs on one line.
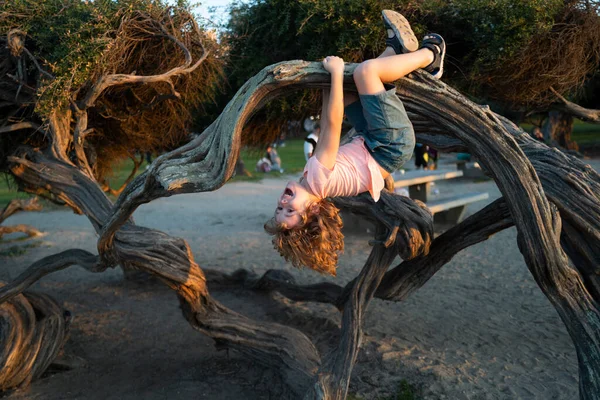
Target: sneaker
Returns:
[[400, 36], [436, 44]]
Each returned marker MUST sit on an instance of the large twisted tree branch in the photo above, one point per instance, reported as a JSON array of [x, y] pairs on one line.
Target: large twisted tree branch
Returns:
[[207, 162]]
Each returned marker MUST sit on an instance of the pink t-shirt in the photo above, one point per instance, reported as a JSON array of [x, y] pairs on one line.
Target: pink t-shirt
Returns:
[[355, 171]]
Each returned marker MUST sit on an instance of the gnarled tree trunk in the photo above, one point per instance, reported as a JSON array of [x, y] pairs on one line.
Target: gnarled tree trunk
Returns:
[[551, 198], [557, 129]]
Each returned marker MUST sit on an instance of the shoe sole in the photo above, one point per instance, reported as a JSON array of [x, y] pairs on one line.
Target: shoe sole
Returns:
[[439, 74], [441, 71], [402, 30]]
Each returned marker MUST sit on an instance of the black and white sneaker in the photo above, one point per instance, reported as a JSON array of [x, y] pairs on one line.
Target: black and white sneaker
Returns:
[[436, 44], [400, 36]]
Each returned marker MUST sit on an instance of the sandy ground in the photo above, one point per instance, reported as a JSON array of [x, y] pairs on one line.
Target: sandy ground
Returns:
[[479, 329]]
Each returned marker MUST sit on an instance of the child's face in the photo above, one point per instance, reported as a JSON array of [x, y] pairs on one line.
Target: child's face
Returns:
[[292, 204]]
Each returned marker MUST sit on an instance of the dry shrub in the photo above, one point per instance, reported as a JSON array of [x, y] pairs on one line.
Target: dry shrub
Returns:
[[150, 117], [567, 54]]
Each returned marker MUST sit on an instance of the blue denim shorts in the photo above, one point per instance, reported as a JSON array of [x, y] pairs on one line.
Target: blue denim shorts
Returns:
[[383, 123]]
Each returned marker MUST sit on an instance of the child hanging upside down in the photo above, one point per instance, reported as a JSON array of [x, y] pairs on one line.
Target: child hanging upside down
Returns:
[[306, 226]]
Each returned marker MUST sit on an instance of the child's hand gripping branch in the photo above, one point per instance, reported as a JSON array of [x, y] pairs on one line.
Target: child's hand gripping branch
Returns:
[[306, 227]]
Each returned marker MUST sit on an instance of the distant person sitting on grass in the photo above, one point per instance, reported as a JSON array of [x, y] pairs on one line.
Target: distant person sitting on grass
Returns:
[[270, 162], [274, 158], [306, 226]]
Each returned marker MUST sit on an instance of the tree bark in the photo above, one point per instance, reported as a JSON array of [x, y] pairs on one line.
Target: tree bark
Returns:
[[170, 259], [33, 329], [557, 129], [551, 198]]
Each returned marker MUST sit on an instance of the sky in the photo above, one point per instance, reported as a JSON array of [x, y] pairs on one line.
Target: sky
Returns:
[[219, 15]]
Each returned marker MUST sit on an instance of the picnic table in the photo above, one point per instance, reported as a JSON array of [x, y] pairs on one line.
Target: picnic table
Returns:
[[448, 210]]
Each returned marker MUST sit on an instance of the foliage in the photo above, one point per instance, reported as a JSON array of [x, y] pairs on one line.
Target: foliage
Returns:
[[78, 42], [264, 32], [510, 52], [520, 51]]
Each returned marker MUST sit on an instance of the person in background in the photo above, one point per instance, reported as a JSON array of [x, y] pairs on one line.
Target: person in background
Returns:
[[433, 158], [421, 155], [274, 159], [310, 142], [538, 134]]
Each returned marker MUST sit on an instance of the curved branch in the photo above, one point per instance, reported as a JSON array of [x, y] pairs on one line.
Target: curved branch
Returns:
[[584, 114], [284, 349], [208, 161], [26, 229], [408, 222], [18, 205], [333, 378], [34, 330], [19, 126], [136, 165], [37, 65], [46, 266], [108, 81], [410, 275]]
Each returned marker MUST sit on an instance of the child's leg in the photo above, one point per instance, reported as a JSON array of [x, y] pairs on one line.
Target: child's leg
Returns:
[[370, 75]]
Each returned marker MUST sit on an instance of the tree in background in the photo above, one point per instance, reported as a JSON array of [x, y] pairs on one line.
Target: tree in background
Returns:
[[526, 58], [90, 84], [84, 85]]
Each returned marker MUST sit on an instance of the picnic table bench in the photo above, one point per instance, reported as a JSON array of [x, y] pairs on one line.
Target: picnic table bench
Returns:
[[448, 210]]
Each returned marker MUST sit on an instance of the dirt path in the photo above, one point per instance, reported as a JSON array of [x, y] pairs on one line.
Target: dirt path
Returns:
[[480, 329]]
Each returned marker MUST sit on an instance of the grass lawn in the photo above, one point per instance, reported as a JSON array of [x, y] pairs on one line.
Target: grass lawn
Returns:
[[292, 160], [586, 133], [583, 133], [8, 191]]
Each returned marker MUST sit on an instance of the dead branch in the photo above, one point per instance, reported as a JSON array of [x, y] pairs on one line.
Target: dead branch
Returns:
[[408, 223], [17, 205], [26, 229], [46, 266], [108, 81], [19, 126], [282, 348], [333, 378], [566, 106], [136, 165], [411, 275]]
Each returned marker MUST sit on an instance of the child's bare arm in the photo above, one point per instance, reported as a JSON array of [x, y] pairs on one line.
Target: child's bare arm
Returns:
[[324, 108], [332, 114]]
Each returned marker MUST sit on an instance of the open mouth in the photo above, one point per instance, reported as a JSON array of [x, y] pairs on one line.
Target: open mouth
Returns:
[[288, 191]]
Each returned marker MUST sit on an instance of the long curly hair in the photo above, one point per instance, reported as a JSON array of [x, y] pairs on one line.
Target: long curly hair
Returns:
[[315, 243]]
